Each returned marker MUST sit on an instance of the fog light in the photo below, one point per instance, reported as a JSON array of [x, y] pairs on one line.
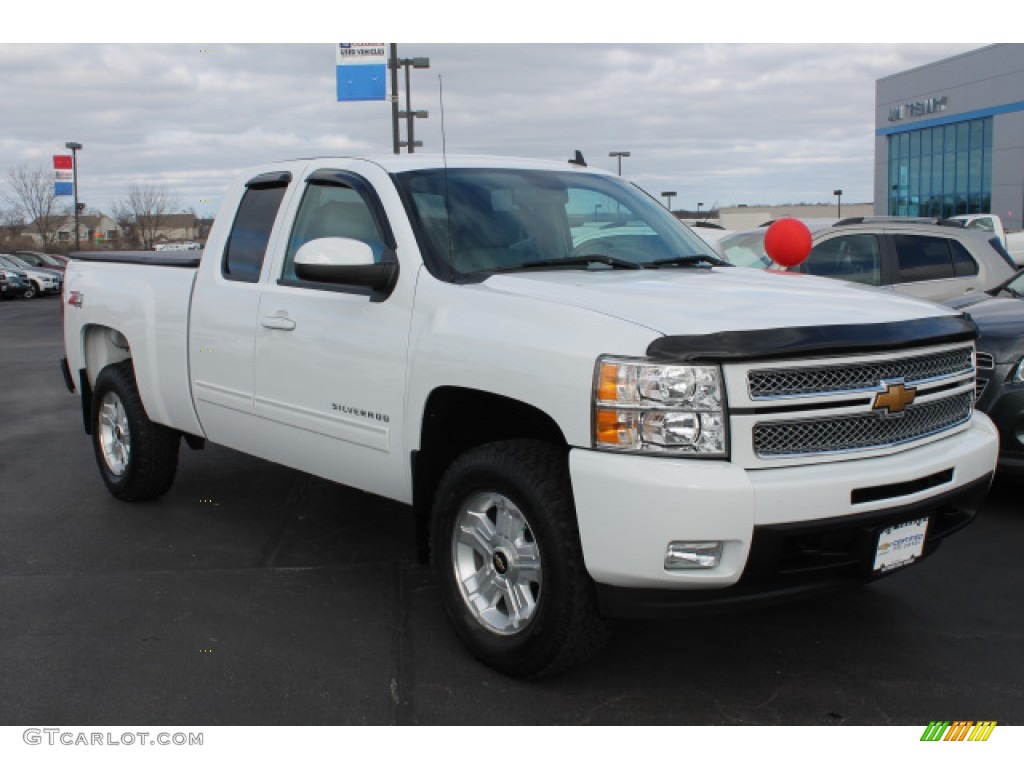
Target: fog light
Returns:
[[687, 555]]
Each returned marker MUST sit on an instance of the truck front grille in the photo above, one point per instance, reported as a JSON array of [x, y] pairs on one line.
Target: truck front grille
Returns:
[[766, 384], [802, 437]]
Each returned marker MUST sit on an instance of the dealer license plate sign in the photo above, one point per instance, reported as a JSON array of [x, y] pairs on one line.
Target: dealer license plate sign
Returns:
[[900, 545]]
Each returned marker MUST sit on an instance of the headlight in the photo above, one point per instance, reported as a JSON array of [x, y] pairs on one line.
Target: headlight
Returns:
[[655, 408]]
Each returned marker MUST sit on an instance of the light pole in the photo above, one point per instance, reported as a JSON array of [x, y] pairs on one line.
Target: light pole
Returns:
[[74, 146], [619, 155], [668, 198], [839, 202]]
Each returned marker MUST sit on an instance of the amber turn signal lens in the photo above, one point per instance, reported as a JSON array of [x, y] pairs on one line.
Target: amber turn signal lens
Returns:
[[608, 383]]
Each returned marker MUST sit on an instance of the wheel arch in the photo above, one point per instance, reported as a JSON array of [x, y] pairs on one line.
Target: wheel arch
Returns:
[[101, 346], [456, 419]]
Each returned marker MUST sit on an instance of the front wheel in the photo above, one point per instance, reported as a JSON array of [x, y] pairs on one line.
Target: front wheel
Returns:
[[508, 558], [31, 291], [137, 458]]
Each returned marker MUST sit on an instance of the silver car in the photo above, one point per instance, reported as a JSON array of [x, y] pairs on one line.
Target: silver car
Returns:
[[41, 281], [928, 260]]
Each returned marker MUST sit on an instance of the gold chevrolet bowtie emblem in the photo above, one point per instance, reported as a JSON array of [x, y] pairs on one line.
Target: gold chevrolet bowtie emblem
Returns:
[[894, 398]]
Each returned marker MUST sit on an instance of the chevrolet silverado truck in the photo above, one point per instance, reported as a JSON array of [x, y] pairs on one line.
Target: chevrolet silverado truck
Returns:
[[589, 413]]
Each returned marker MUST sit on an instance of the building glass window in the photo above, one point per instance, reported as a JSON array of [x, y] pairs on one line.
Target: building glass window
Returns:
[[941, 171]]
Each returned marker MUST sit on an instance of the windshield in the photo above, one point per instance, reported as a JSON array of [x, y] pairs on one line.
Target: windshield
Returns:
[[487, 220], [745, 249], [16, 261]]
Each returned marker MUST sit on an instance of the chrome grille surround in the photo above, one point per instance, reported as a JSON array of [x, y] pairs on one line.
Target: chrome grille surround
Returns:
[[838, 434], [769, 384], [985, 361]]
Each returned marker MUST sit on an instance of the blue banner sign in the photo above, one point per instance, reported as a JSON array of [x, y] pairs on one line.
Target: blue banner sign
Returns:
[[62, 188], [362, 71]]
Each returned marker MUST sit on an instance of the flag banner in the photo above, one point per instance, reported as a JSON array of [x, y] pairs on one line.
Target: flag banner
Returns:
[[62, 162], [362, 71], [64, 175], [63, 188]]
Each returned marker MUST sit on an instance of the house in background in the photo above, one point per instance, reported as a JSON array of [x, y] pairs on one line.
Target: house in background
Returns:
[[95, 229], [172, 227]]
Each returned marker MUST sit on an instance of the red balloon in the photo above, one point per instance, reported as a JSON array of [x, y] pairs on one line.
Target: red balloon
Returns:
[[787, 242]]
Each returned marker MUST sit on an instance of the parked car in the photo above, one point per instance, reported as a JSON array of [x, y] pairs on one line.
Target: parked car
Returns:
[[1013, 241], [711, 234], [41, 281], [999, 313], [13, 284], [42, 260], [927, 260]]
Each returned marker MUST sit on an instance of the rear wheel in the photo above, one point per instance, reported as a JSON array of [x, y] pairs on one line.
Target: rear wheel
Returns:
[[31, 291], [137, 458], [509, 562]]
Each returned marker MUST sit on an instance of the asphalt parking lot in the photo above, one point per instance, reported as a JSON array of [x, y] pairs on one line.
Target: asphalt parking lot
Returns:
[[254, 594]]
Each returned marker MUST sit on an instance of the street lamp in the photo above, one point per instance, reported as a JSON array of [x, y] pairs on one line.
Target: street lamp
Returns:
[[839, 202], [74, 146], [619, 155], [668, 198]]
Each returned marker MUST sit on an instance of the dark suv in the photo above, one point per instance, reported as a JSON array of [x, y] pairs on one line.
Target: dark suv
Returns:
[[999, 314]]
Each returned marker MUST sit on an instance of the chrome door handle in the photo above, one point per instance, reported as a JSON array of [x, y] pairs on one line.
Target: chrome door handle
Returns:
[[278, 322]]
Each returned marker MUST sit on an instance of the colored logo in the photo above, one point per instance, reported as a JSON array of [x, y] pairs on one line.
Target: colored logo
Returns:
[[959, 730], [894, 398]]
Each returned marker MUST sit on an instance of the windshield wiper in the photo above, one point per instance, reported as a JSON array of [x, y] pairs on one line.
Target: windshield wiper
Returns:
[[574, 261], [696, 258]]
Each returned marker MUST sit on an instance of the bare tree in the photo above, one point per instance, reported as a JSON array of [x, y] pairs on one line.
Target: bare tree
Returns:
[[145, 211], [12, 222], [33, 196], [125, 219]]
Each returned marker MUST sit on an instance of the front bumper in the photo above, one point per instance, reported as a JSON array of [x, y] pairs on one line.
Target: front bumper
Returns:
[[784, 531]]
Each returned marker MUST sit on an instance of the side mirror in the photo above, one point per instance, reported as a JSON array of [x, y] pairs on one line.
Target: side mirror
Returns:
[[343, 261]]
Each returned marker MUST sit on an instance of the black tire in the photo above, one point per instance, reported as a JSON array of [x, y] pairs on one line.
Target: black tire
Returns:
[[526, 484], [141, 458], [31, 291]]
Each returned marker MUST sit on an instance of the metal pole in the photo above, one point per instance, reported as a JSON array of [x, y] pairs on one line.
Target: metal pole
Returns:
[[74, 181], [74, 146], [619, 155], [394, 98], [410, 118]]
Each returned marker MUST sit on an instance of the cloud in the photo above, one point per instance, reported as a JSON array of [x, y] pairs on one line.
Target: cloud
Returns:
[[736, 123]]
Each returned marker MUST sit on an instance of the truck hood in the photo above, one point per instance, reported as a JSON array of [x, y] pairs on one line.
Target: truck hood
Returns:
[[703, 301]]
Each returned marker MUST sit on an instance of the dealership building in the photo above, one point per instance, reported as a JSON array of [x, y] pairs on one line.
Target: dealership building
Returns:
[[949, 137]]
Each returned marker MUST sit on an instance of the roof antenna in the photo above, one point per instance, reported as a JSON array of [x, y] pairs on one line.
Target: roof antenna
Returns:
[[577, 159], [447, 195]]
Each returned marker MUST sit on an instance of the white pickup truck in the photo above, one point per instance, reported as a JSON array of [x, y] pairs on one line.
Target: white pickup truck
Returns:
[[589, 413]]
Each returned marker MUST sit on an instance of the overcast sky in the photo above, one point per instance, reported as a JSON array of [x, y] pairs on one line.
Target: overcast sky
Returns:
[[717, 123]]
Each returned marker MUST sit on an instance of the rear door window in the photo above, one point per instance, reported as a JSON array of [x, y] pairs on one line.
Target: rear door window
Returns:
[[848, 257], [921, 257], [250, 233]]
